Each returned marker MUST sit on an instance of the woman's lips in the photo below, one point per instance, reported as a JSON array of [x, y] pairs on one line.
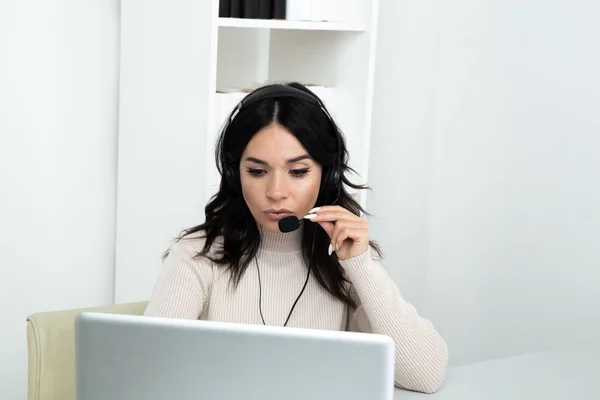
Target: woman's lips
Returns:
[[276, 215]]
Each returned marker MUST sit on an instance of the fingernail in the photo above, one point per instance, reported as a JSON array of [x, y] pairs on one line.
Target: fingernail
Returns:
[[329, 249], [337, 246], [310, 216], [314, 210]]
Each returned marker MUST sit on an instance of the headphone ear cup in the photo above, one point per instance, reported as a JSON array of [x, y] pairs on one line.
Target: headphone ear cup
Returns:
[[336, 180], [332, 182]]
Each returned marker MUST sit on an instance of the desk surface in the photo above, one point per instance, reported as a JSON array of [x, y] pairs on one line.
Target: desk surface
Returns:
[[571, 374]]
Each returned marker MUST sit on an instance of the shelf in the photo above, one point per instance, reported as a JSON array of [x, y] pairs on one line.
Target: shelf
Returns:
[[289, 25]]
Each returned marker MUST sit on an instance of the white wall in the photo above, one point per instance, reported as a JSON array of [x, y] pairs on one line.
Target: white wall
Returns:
[[58, 119], [485, 169], [489, 194]]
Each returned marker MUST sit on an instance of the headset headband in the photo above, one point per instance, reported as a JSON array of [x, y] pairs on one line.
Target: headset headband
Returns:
[[277, 91]]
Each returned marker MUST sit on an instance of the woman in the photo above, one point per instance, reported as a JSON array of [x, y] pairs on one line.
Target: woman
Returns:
[[280, 154]]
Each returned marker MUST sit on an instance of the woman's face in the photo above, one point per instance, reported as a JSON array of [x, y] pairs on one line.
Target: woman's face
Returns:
[[278, 177]]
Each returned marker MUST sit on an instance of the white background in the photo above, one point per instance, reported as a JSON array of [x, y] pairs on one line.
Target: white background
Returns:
[[484, 167], [58, 131]]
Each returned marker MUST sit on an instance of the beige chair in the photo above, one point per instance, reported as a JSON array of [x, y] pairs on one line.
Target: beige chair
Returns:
[[50, 346]]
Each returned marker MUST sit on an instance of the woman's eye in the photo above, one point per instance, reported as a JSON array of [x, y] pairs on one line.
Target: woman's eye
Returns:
[[257, 173], [299, 173]]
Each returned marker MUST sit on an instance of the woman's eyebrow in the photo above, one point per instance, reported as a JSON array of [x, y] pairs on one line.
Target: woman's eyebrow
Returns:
[[289, 161], [256, 160], [299, 158]]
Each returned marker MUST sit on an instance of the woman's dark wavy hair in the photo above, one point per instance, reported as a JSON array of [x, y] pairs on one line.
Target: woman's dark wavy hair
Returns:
[[228, 217]]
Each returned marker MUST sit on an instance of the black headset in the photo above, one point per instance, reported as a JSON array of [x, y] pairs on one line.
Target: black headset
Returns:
[[331, 182]]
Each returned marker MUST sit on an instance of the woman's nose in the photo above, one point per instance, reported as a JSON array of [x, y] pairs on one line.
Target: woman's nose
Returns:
[[277, 187]]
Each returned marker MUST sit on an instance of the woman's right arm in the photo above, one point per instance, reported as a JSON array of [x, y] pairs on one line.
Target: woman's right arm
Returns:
[[183, 283]]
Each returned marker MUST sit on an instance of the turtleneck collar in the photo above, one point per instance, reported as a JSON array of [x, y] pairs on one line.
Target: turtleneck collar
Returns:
[[280, 242]]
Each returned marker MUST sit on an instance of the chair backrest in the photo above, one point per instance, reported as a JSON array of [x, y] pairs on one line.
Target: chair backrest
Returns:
[[51, 355]]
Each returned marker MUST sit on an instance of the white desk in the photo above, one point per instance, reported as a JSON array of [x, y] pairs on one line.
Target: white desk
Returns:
[[570, 374]]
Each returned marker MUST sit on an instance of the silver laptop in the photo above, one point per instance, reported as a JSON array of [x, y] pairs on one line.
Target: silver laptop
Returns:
[[120, 357]]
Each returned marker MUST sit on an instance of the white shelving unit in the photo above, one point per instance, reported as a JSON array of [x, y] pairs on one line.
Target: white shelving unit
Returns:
[[174, 56], [289, 25]]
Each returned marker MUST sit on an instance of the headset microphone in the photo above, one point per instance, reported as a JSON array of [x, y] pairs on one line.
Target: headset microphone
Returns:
[[289, 224]]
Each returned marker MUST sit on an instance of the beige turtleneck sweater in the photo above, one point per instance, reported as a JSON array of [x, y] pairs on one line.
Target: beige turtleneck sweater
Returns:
[[194, 288]]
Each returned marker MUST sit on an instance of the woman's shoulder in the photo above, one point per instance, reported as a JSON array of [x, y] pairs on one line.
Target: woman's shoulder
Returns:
[[192, 247]]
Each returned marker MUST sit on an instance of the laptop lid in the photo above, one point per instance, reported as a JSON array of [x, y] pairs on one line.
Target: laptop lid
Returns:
[[134, 358]]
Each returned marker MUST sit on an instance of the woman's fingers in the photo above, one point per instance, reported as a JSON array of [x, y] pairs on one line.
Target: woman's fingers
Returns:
[[348, 233], [344, 231], [331, 214], [332, 227], [328, 227]]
